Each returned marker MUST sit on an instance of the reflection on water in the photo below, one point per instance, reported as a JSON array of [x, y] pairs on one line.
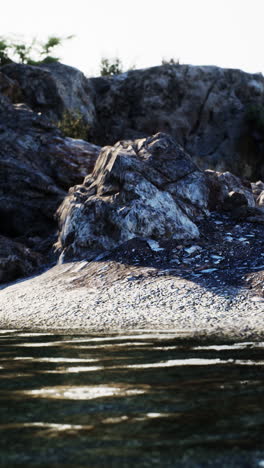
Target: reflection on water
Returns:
[[141, 399]]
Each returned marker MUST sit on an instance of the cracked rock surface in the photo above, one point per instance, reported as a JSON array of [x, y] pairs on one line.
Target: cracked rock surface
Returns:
[[37, 166], [143, 188], [214, 113]]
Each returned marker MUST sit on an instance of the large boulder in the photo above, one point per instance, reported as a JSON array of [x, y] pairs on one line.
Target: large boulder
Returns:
[[148, 188], [215, 114], [53, 89]]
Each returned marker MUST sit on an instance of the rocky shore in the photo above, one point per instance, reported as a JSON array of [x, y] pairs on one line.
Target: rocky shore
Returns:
[[133, 235], [213, 288]]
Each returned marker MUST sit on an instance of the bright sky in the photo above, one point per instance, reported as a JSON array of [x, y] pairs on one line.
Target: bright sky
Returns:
[[227, 33]]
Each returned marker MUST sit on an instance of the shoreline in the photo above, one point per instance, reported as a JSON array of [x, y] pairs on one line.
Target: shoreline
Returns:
[[209, 287], [79, 298]]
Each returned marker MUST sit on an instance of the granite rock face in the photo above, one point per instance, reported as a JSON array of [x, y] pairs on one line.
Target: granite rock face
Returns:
[[53, 89], [214, 113], [148, 188]]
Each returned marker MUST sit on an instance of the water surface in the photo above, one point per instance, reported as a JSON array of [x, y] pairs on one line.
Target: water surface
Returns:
[[141, 399]]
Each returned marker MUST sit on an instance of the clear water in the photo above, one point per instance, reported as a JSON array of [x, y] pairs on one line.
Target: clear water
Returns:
[[142, 399]]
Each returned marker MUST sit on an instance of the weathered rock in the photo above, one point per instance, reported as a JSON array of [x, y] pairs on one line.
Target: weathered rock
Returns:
[[258, 192], [226, 191], [53, 89], [147, 188], [70, 160], [10, 88], [16, 260], [233, 195], [260, 199], [234, 200], [37, 166], [212, 112], [257, 188]]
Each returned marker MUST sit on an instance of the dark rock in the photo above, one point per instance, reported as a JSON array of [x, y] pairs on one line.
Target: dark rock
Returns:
[[234, 200], [10, 88], [208, 110], [226, 191], [37, 166], [147, 188], [53, 89], [233, 195], [16, 260], [214, 113]]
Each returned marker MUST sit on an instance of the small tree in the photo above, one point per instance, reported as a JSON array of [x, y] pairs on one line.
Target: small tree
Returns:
[[111, 67], [171, 61]]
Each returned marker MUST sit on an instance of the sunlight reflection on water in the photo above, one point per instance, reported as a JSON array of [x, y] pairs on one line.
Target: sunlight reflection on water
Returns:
[[141, 399]]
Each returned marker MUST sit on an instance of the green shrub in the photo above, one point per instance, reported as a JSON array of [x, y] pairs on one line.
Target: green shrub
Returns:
[[33, 53], [171, 61], [73, 125], [4, 48], [110, 67]]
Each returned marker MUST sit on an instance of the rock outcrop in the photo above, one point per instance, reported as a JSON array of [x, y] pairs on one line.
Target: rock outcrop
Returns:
[[214, 113], [146, 188], [53, 89], [37, 167]]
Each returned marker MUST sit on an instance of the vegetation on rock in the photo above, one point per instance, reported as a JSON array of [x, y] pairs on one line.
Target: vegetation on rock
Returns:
[[33, 53], [171, 61], [110, 67], [73, 125]]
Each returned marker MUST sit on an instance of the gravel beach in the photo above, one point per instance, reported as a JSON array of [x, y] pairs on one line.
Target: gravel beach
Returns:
[[211, 287], [154, 300]]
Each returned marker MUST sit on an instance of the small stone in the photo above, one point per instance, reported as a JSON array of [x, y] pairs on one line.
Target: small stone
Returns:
[[154, 245], [209, 270], [192, 249]]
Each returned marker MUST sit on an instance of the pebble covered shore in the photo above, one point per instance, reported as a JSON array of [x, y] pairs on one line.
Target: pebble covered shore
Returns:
[[154, 301], [213, 286]]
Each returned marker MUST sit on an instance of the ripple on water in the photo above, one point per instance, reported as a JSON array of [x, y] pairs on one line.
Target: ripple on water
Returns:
[[141, 399]]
